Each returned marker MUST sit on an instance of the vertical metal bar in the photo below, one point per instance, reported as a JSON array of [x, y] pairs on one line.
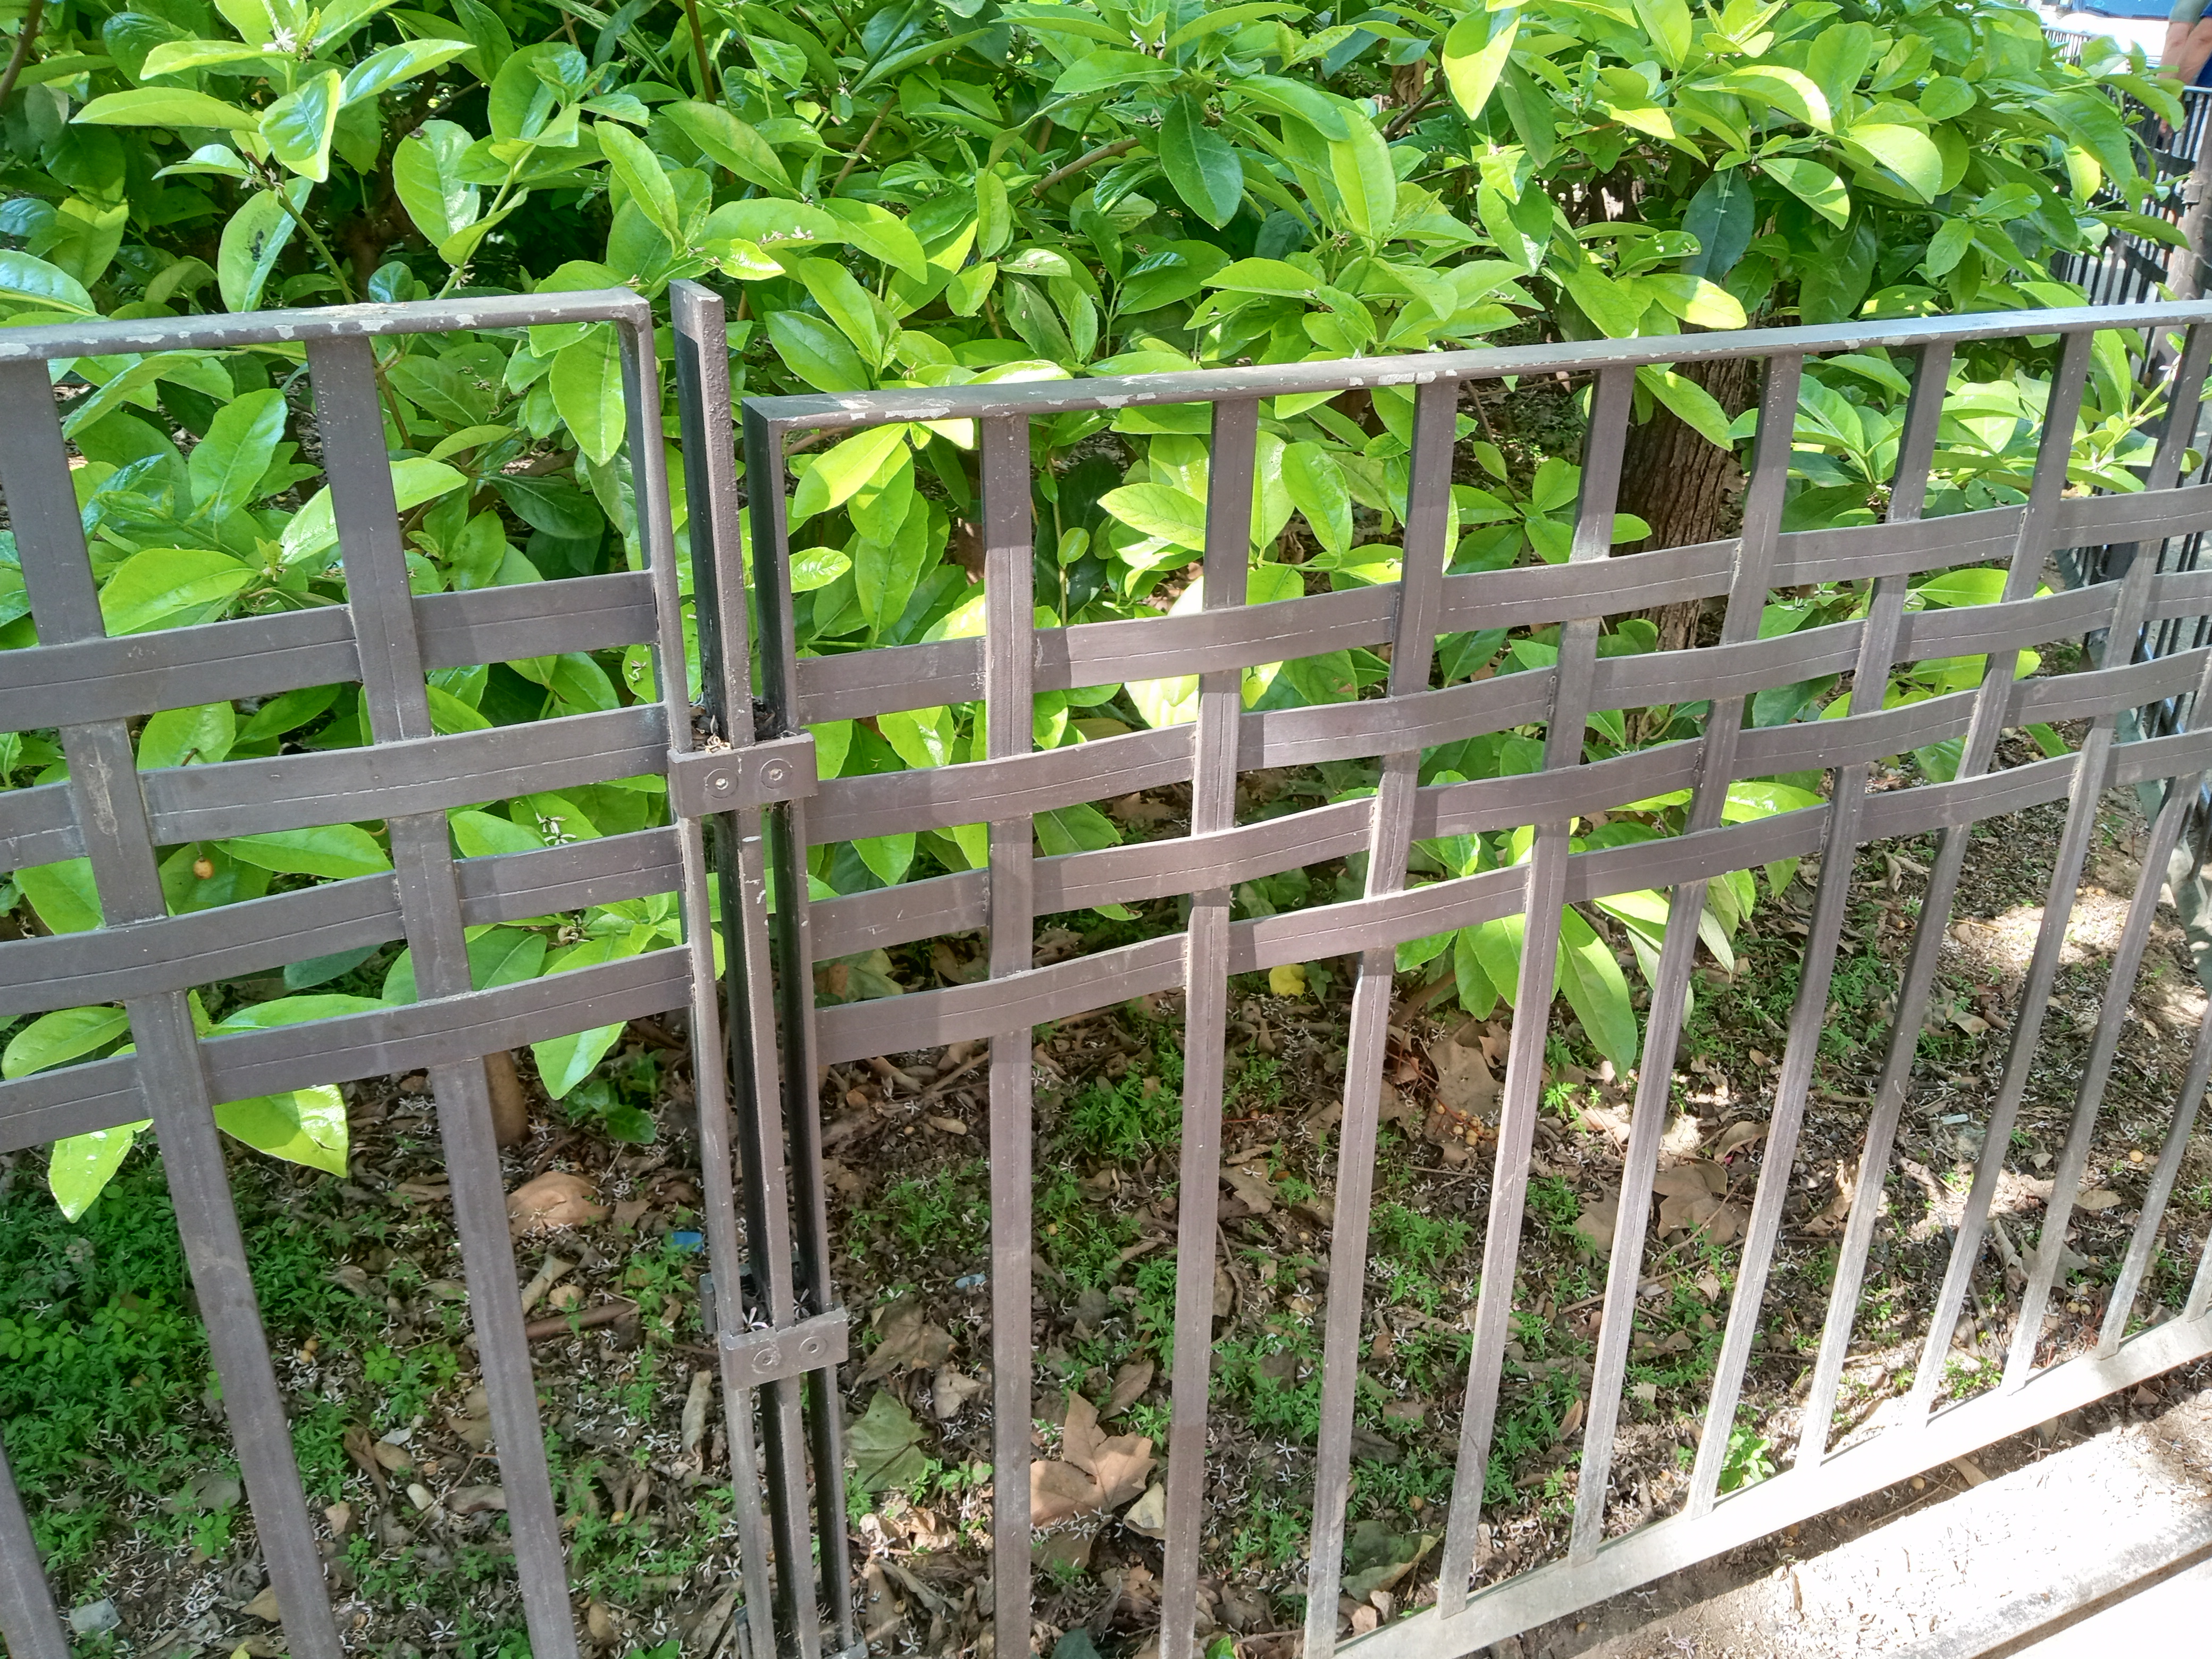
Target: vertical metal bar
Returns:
[[1839, 853], [1610, 401], [110, 816], [2166, 830], [783, 1432], [2030, 550], [28, 1623], [702, 380], [1230, 475], [397, 702], [1677, 954], [1778, 418], [1009, 672], [1413, 648]]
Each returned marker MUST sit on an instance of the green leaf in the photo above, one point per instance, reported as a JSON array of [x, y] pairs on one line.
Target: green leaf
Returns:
[[643, 177], [1475, 55], [426, 172], [1324, 112], [886, 1447], [1946, 97], [79, 1166], [846, 468], [816, 352], [299, 126], [565, 1062], [1477, 995], [253, 240], [497, 955], [1786, 90], [1721, 217], [1948, 246], [167, 106], [1365, 179], [1906, 151], [56, 1038], [395, 65], [846, 303], [1607, 304], [335, 850], [1317, 489], [1814, 184], [1160, 510], [29, 282], [301, 1126], [1201, 164], [414, 481], [1110, 71], [1666, 23], [62, 895], [241, 441], [730, 142], [187, 736], [482, 835], [1596, 990], [1266, 276], [587, 393], [1697, 408], [880, 234], [1694, 299], [169, 586]]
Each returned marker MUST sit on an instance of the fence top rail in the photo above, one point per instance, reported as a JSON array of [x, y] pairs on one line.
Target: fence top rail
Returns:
[[835, 411], [108, 337]]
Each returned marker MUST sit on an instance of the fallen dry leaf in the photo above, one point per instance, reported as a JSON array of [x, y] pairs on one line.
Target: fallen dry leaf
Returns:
[[1693, 1195], [1095, 1471], [264, 1606], [1257, 1191], [1600, 1216], [1070, 1551], [2098, 1198], [555, 1199], [1149, 1514], [694, 1409], [910, 1341], [361, 1446], [951, 1389], [475, 1500], [1129, 1385], [1465, 1083], [1741, 1133]]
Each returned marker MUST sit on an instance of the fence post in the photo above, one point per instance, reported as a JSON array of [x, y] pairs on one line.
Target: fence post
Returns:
[[2185, 264]]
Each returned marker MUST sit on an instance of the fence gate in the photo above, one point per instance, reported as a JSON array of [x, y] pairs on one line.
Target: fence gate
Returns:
[[743, 765], [385, 640], [1009, 783]]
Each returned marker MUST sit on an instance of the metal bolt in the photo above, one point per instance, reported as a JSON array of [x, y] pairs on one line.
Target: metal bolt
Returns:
[[766, 1359], [721, 783], [775, 772]]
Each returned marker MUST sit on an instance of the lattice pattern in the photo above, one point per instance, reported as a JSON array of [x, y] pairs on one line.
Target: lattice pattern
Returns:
[[1014, 660], [405, 775]]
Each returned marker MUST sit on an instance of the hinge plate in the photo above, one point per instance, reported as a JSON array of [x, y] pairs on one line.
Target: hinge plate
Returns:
[[707, 780], [772, 1355]]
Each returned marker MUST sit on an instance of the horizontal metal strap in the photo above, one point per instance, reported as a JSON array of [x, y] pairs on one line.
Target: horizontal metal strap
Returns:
[[2138, 516], [38, 826], [447, 1030], [535, 619], [772, 1355], [1862, 551], [701, 781], [392, 779]]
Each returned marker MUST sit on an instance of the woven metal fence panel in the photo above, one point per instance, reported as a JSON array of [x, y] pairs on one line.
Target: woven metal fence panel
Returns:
[[405, 776], [1010, 782]]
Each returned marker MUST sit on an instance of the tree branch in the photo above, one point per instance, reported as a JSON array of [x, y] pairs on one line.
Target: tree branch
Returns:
[[28, 33], [861, 148], [1092, 159]]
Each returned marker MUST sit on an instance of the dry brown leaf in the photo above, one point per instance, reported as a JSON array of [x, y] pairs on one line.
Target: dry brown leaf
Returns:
[[951, 1389], [1149, 1514], [695, 1403], [361, 1446], [1681, 1139], [1614, 1124], [1135, 808], [1741, 1133], [1097, 1471], [1256, 1190], [1465, 1083], [264, 1606], [475, 1500], [555, 1199], [1129, 1385], [2098, 1198], [910, 1341], [1600, 1216]]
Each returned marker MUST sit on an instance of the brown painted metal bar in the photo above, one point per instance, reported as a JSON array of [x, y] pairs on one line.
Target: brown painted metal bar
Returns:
[[1839, 856], [786, 1076], [1545, 893], [393, 694], [1428, 534], [1231, 473], [110, 816], [702, 372], [1008, 715], [28, 1623], [2062, 408]]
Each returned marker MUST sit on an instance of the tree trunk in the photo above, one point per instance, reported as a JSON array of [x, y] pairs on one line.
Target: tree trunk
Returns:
[[1682, 486]]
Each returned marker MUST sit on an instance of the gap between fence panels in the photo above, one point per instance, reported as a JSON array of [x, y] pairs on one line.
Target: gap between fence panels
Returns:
[[1353, 1357]]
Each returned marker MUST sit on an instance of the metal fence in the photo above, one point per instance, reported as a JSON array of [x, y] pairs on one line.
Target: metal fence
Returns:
[[747, 769]]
